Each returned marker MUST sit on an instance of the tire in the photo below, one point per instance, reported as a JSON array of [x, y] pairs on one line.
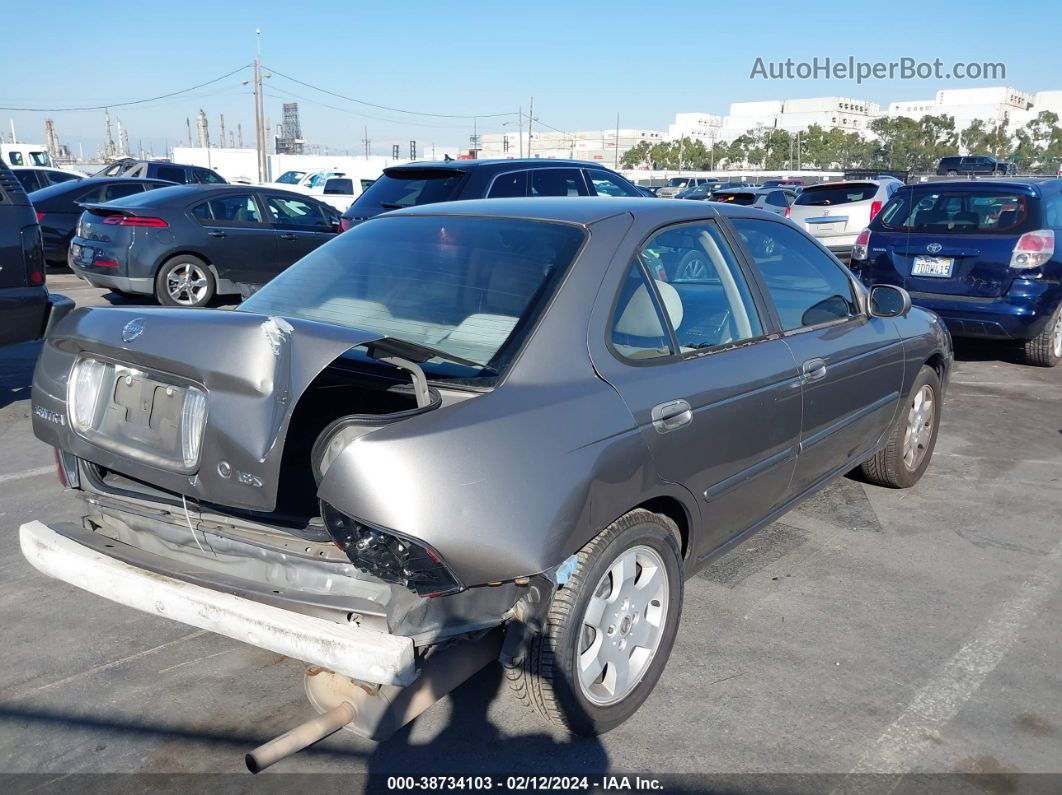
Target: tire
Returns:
[[694, 266], [1045, 349], [900, 465], [548, 678], [171, 289], [953, 173]]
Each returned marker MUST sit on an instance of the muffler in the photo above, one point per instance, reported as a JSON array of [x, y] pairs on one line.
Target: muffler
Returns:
[[301, 736]]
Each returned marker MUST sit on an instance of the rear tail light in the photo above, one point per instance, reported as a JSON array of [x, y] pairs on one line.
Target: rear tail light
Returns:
[[33, 255], [345, 223], [786, 212], [862, 244], [1033, 249], [875, 208], [388, 556], [134, 220], [40, 217]]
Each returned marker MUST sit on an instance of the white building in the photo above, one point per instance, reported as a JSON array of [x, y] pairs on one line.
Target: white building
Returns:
[[792, 115], [992, 105], [696, 126], [602, 145]]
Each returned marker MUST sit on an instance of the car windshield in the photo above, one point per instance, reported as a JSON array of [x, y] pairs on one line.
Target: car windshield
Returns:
[[410, 187], [291, 177], [983, 211], [829, 195], [470, 287], [678, 182]]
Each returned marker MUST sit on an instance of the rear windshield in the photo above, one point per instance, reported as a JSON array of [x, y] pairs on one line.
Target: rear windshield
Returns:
[[735, 198], [410, 187], [829, 195], [984, 211], [290, 177], [471, 287]]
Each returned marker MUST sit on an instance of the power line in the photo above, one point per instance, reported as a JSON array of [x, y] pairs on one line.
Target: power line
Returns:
[[355, 114], [386, 107], [130, 102]]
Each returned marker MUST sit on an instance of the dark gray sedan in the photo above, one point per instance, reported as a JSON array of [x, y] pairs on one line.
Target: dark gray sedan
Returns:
[[187, 243], [478, 429]]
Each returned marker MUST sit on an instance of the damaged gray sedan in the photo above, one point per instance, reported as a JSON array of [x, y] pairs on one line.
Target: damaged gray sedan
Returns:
[[508, 428]]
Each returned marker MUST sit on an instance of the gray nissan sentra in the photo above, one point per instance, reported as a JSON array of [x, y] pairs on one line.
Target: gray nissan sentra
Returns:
[[507, 428]]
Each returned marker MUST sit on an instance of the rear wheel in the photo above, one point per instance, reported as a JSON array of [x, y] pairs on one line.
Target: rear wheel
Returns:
[[609, 629], [1045, 349], [903, 460], [184, 281]]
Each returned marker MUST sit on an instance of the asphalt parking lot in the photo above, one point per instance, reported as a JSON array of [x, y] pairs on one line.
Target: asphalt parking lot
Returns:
[[868, 631]]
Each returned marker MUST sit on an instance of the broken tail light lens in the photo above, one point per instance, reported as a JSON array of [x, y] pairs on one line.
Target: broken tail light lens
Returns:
[[861, 247], [388, 556], [1033, 249], [193, 420]]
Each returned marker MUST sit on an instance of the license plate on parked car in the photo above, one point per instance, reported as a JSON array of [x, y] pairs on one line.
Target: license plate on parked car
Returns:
[[932, 266]]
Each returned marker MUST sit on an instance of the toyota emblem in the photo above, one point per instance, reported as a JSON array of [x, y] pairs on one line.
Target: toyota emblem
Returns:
[[934, 248], [133, 329]]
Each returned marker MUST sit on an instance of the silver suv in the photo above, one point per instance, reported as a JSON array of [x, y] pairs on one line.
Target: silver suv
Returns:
[[678, 184], [836, 212]]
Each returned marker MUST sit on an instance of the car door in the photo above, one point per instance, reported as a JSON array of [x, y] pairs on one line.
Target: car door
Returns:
[[301, 224], [715, 395], [851, 364], [238, 240]]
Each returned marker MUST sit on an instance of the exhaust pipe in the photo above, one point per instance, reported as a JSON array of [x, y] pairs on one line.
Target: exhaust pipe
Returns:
[[300, 737]]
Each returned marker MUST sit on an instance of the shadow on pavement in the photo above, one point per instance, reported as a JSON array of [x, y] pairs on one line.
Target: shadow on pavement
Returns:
[[16, 371]]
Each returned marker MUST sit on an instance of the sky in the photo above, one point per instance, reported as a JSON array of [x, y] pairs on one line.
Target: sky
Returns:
[[582, 61]]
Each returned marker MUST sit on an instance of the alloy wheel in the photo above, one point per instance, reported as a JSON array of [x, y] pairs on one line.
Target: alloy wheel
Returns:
[[187, 284], [622, 626], [919, 431]]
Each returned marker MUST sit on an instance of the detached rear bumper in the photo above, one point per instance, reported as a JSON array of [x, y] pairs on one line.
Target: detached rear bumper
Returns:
[[346, 649]]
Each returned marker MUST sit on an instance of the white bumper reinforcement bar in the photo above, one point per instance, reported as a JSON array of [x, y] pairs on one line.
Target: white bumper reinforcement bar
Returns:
[[348, 650]]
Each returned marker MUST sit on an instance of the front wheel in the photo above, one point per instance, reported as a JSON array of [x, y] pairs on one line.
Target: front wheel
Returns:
[[609, 629], [903, 460], [184, 281], [1045, 349]]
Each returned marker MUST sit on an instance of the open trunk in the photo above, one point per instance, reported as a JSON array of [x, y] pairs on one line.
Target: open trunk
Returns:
[[223, 408]]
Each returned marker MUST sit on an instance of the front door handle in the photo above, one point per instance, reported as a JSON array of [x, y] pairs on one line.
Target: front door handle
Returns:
[[287, 236], [216, 233], [814, 369], [671, 415]]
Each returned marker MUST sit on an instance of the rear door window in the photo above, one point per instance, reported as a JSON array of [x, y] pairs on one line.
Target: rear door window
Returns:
[[558, 182], [983, 211], [206, 176], [112, 192], [28, 180], [829, 195], [239, 210], [59, 177], [506, 186], [411, 187], [337, 186], [777, 198], [171, 174]]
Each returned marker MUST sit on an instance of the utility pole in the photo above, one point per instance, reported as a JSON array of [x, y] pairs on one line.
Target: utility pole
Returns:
[[520, 128], [188, 123], [239, 136], [14, 139], [530, 117], [222, 130], [617, 145], [367, 141], [259, 110]]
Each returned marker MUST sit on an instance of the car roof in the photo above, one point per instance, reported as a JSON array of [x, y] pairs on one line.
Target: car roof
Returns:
[[582, 210], [525, 162], [49, 191], [1032, 184], [178, 193]]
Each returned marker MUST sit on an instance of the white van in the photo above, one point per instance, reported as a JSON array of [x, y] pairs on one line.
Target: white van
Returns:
[[25, 155]]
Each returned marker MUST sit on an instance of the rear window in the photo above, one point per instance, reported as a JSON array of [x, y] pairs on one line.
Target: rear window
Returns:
[[829, 195], [410, 188], [984, 211], [678, 182], [171, 174], [743, 199]]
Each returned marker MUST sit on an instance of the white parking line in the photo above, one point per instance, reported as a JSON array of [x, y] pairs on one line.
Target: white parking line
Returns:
[[958, 679], [99, 668], [29, 473]]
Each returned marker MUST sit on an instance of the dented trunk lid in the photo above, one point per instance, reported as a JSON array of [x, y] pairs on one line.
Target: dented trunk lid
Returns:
[[252, 368]]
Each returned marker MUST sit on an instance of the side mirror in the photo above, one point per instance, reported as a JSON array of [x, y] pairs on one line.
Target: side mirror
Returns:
[[887, 300]]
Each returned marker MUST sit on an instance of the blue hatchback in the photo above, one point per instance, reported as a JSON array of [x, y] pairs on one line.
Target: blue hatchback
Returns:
[[981, 254]]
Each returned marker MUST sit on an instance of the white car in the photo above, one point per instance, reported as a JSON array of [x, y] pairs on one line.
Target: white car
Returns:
[[336, 188], [836, 212]]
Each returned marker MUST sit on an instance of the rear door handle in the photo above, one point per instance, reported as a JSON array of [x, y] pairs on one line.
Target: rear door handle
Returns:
[[287, 236], [671, 415], [216, 233], [814, 369]]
